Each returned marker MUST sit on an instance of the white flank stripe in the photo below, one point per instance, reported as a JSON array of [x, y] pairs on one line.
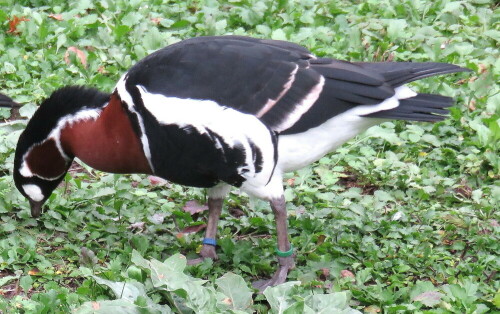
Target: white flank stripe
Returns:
[[302, 107], [33, 192], [201, 115], [233, 128], [127, 98], [270, 103], [298, 150]]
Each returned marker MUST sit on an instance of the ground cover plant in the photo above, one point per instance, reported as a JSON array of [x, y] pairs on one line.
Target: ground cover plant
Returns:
[[403, 218]]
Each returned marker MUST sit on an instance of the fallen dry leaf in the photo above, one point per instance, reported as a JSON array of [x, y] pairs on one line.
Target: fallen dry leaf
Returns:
[[137, 225], [156, 180], [325, 273], [194, 207], [80, 55], [464, 191], [447, 242], [57, 17], [236, 212], [321, 239], [372, 309], [156, 20], [102, 70], [346, 273], [13, 24], [482, 68], [227, 301], [472, 105], [193, 229], [34, 272]]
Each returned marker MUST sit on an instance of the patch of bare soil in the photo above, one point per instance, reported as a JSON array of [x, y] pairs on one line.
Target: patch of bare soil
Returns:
[[351, 180]]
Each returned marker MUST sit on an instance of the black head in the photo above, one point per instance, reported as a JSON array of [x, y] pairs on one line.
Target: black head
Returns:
[[40, 162]]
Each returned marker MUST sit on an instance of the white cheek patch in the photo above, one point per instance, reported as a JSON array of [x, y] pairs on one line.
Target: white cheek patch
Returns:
[[55, 135], [34, 192], [25, 170]]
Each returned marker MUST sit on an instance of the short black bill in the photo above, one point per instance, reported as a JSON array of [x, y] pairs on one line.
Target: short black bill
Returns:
[[36, 208]]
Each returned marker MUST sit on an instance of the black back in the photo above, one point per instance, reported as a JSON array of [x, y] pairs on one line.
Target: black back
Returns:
[[245, 73]]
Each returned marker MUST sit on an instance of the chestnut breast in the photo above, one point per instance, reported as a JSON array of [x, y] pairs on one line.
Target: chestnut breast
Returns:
[[108, 143]]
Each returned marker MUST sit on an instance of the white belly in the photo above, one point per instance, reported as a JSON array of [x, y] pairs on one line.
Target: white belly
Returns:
[[299, 150]]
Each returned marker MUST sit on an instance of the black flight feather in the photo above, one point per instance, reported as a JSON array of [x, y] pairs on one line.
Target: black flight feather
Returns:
[[7, 102]]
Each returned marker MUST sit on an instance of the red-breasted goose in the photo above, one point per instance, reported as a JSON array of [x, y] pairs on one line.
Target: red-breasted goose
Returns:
[[217, 112]]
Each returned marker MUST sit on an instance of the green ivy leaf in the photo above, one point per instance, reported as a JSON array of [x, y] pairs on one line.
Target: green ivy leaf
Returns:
[[280, 297], [115, 306], [496, 299], [7, 279], [26, 282], [330, 303], [123, 290], [278, 34], [28, 110], [236, 289], [131, 19], [429, 298]]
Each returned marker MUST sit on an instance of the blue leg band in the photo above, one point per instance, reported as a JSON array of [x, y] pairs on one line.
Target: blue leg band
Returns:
[[209, 241]]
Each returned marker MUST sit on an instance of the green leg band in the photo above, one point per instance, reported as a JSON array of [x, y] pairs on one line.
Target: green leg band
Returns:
[[285, 254]]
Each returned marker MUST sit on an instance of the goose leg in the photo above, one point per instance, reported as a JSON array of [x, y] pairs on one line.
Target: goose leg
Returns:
[[215, 201], [287, 262], [208, 250], [214, 211]]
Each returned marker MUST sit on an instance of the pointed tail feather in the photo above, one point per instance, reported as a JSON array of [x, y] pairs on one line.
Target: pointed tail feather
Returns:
[[423, 107], [399, 73]]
